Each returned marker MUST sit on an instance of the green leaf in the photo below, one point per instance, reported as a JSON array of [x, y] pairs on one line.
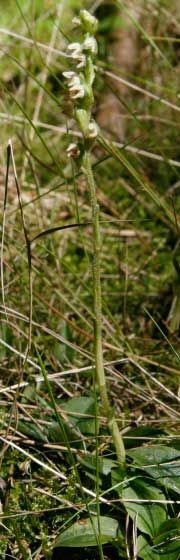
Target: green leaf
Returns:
[[148, 552], [75, 411], [167, 541], [148, 516], [104, 465], [145, 551], [168, 550], [86, 533], [32, 430], [170, 526], [155, 454], [134, 435], [60, 434], [119, 479], [78, 407], [160, 462]]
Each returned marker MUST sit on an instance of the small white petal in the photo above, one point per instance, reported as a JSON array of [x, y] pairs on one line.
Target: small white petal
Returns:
[[76, 21], [75, 89], [68, 74], [76, 55], [82, 61], [75, 79], [75, 83], [73, 150], [80, 93], [75, 48], [71, 146]]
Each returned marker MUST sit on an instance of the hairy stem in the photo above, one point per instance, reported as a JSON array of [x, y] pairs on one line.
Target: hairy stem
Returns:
[[100, 373]]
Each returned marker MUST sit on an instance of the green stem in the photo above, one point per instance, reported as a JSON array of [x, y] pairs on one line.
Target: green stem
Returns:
[[100, 373]]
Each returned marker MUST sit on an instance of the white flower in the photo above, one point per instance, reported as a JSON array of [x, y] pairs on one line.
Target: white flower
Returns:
[[75, 48], [75, 80], [79, 93], [73, 150], [77, 54], [81, 61], [75, 87], [90, 44]]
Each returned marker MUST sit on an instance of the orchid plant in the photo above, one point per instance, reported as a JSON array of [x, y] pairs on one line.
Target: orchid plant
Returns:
[[80, 86]]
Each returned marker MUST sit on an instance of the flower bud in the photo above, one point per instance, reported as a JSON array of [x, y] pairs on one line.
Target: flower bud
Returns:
[[82, 118], [93, 130], [89, 23]]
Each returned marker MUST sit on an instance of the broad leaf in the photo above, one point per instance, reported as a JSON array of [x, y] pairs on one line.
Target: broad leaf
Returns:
[[148, 516], [119, 479], [89, 532], [62, 433], [76, 409], [154, 454], [160, 462], [169, 527], [168, 550], [148, 552], [104, 465], [137, 436], [167, 541], [144, 549], [32, 430]]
